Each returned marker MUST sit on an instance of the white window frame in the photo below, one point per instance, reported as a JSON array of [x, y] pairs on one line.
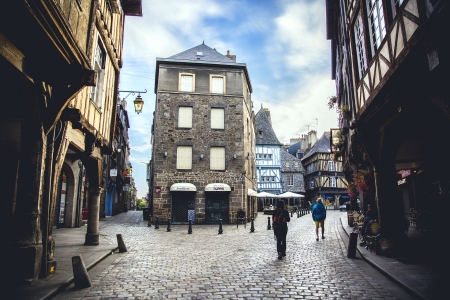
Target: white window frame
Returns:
[[333, 182], [217, 158], [97, 91], [185, 117], [360, 47], [331, 165], [290, 180], [377, 23], [217, 118], [217, 84], [184, 157], [184, 87]]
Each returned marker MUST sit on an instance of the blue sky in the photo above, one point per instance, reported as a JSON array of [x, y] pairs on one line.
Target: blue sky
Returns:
[[282, 42]]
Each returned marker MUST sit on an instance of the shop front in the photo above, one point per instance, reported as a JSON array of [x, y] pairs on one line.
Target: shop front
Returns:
[[183, 203], [217, 203]]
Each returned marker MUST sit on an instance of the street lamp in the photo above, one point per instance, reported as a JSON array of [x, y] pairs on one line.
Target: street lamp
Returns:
[[138, 102]]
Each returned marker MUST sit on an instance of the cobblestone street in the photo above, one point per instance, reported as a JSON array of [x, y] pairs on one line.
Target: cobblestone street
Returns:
[[234, 265]]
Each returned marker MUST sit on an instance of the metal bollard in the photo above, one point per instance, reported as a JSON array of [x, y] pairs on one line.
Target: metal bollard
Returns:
[[220, 227], [168, 225], [237, 222], [156, 223], [149, 224], [252, 227], [268, 224], [298, 213], [292, 213], [190, 227]]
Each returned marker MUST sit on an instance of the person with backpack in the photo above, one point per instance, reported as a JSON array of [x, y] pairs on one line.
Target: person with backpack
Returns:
[[280, 218], [319, 214]]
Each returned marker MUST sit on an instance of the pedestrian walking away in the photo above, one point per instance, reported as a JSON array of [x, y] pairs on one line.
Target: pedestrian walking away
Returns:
[[319, 215], [280, 217]]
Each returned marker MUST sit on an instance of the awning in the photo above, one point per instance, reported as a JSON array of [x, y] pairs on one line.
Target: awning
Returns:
[[251, 192], [183, 187], [217, 187]]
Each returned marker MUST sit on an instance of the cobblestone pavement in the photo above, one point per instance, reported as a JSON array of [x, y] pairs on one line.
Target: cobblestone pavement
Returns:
[[234, 265]]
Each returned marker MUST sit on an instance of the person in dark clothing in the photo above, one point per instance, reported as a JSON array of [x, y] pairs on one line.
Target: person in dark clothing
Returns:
[[319, 215], [280, 217], [371, 214]]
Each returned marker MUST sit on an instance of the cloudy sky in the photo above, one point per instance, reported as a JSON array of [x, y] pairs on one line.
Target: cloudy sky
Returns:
[[282, 42]]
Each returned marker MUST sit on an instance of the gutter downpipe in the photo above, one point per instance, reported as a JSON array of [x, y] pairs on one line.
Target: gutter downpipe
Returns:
[[47, 200]]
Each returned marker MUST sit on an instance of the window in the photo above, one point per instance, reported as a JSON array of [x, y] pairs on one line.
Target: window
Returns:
[[217, 161], [217, 84], [217, 118], [332, 181], [184, 157], [331, 166], [99, 69], [360, 47], [186, 82], [290, 180], [376, 23], [185, 117], [311, 184], [268, 178]]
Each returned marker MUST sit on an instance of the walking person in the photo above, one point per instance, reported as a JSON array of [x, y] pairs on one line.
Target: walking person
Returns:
[[319, 215], [280, 217]]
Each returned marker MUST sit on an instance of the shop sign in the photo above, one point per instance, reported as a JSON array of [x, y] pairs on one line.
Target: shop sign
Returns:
[[401, 181], [113, 172], [125, 188], [157, 189]]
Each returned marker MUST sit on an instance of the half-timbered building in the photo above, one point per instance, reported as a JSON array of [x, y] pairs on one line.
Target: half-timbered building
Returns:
[[268, 157], [202, 166], [59, 67], [324, 176], [390, 62]]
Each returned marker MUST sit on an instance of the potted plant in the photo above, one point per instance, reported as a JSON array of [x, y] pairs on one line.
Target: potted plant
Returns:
[[362, 179], [332, 100], [345, 111]]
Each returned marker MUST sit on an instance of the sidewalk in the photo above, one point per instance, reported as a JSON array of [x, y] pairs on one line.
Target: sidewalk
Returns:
[[420, 279], [418, 274]]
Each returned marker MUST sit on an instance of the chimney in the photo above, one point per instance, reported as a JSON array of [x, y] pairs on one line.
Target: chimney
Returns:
[[232, 57]]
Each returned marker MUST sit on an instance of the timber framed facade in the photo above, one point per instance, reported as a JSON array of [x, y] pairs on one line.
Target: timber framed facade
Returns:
[[392, 70]]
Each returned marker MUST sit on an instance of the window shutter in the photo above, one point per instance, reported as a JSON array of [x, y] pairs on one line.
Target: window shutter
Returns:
[[185, 117], [186, 83], [184, 157], [217, 118], [217, 161], [217, 85]]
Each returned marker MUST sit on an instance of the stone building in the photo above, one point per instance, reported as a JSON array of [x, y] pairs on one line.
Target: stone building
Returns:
[[292, 179], [59, 67], [203, 137]]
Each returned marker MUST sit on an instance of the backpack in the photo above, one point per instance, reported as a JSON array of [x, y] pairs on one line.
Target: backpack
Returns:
[[279, 218]]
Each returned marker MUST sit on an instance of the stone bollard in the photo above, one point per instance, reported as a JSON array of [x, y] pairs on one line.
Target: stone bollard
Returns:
[[156, 223], [268, 224], [122, 247], [80, 275], [168, 225], [190, 227], [220, 227], [149, 224], [252, 227]]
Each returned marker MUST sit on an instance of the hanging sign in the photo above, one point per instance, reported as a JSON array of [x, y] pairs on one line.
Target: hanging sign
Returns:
[[113, 172], [157, 189]]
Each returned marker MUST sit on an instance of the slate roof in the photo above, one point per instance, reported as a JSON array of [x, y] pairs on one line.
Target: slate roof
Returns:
[[208, 54], [286, 157], [321, 146], [268, 136], [293, 148]]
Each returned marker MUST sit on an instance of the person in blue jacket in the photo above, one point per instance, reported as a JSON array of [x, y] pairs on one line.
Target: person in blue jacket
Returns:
[[319, 214]]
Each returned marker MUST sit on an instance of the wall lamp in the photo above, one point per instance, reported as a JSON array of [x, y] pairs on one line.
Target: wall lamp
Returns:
[[234, 156], [119, 148], [138, 102], [248, 157], [201, 156], [165, 153]]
